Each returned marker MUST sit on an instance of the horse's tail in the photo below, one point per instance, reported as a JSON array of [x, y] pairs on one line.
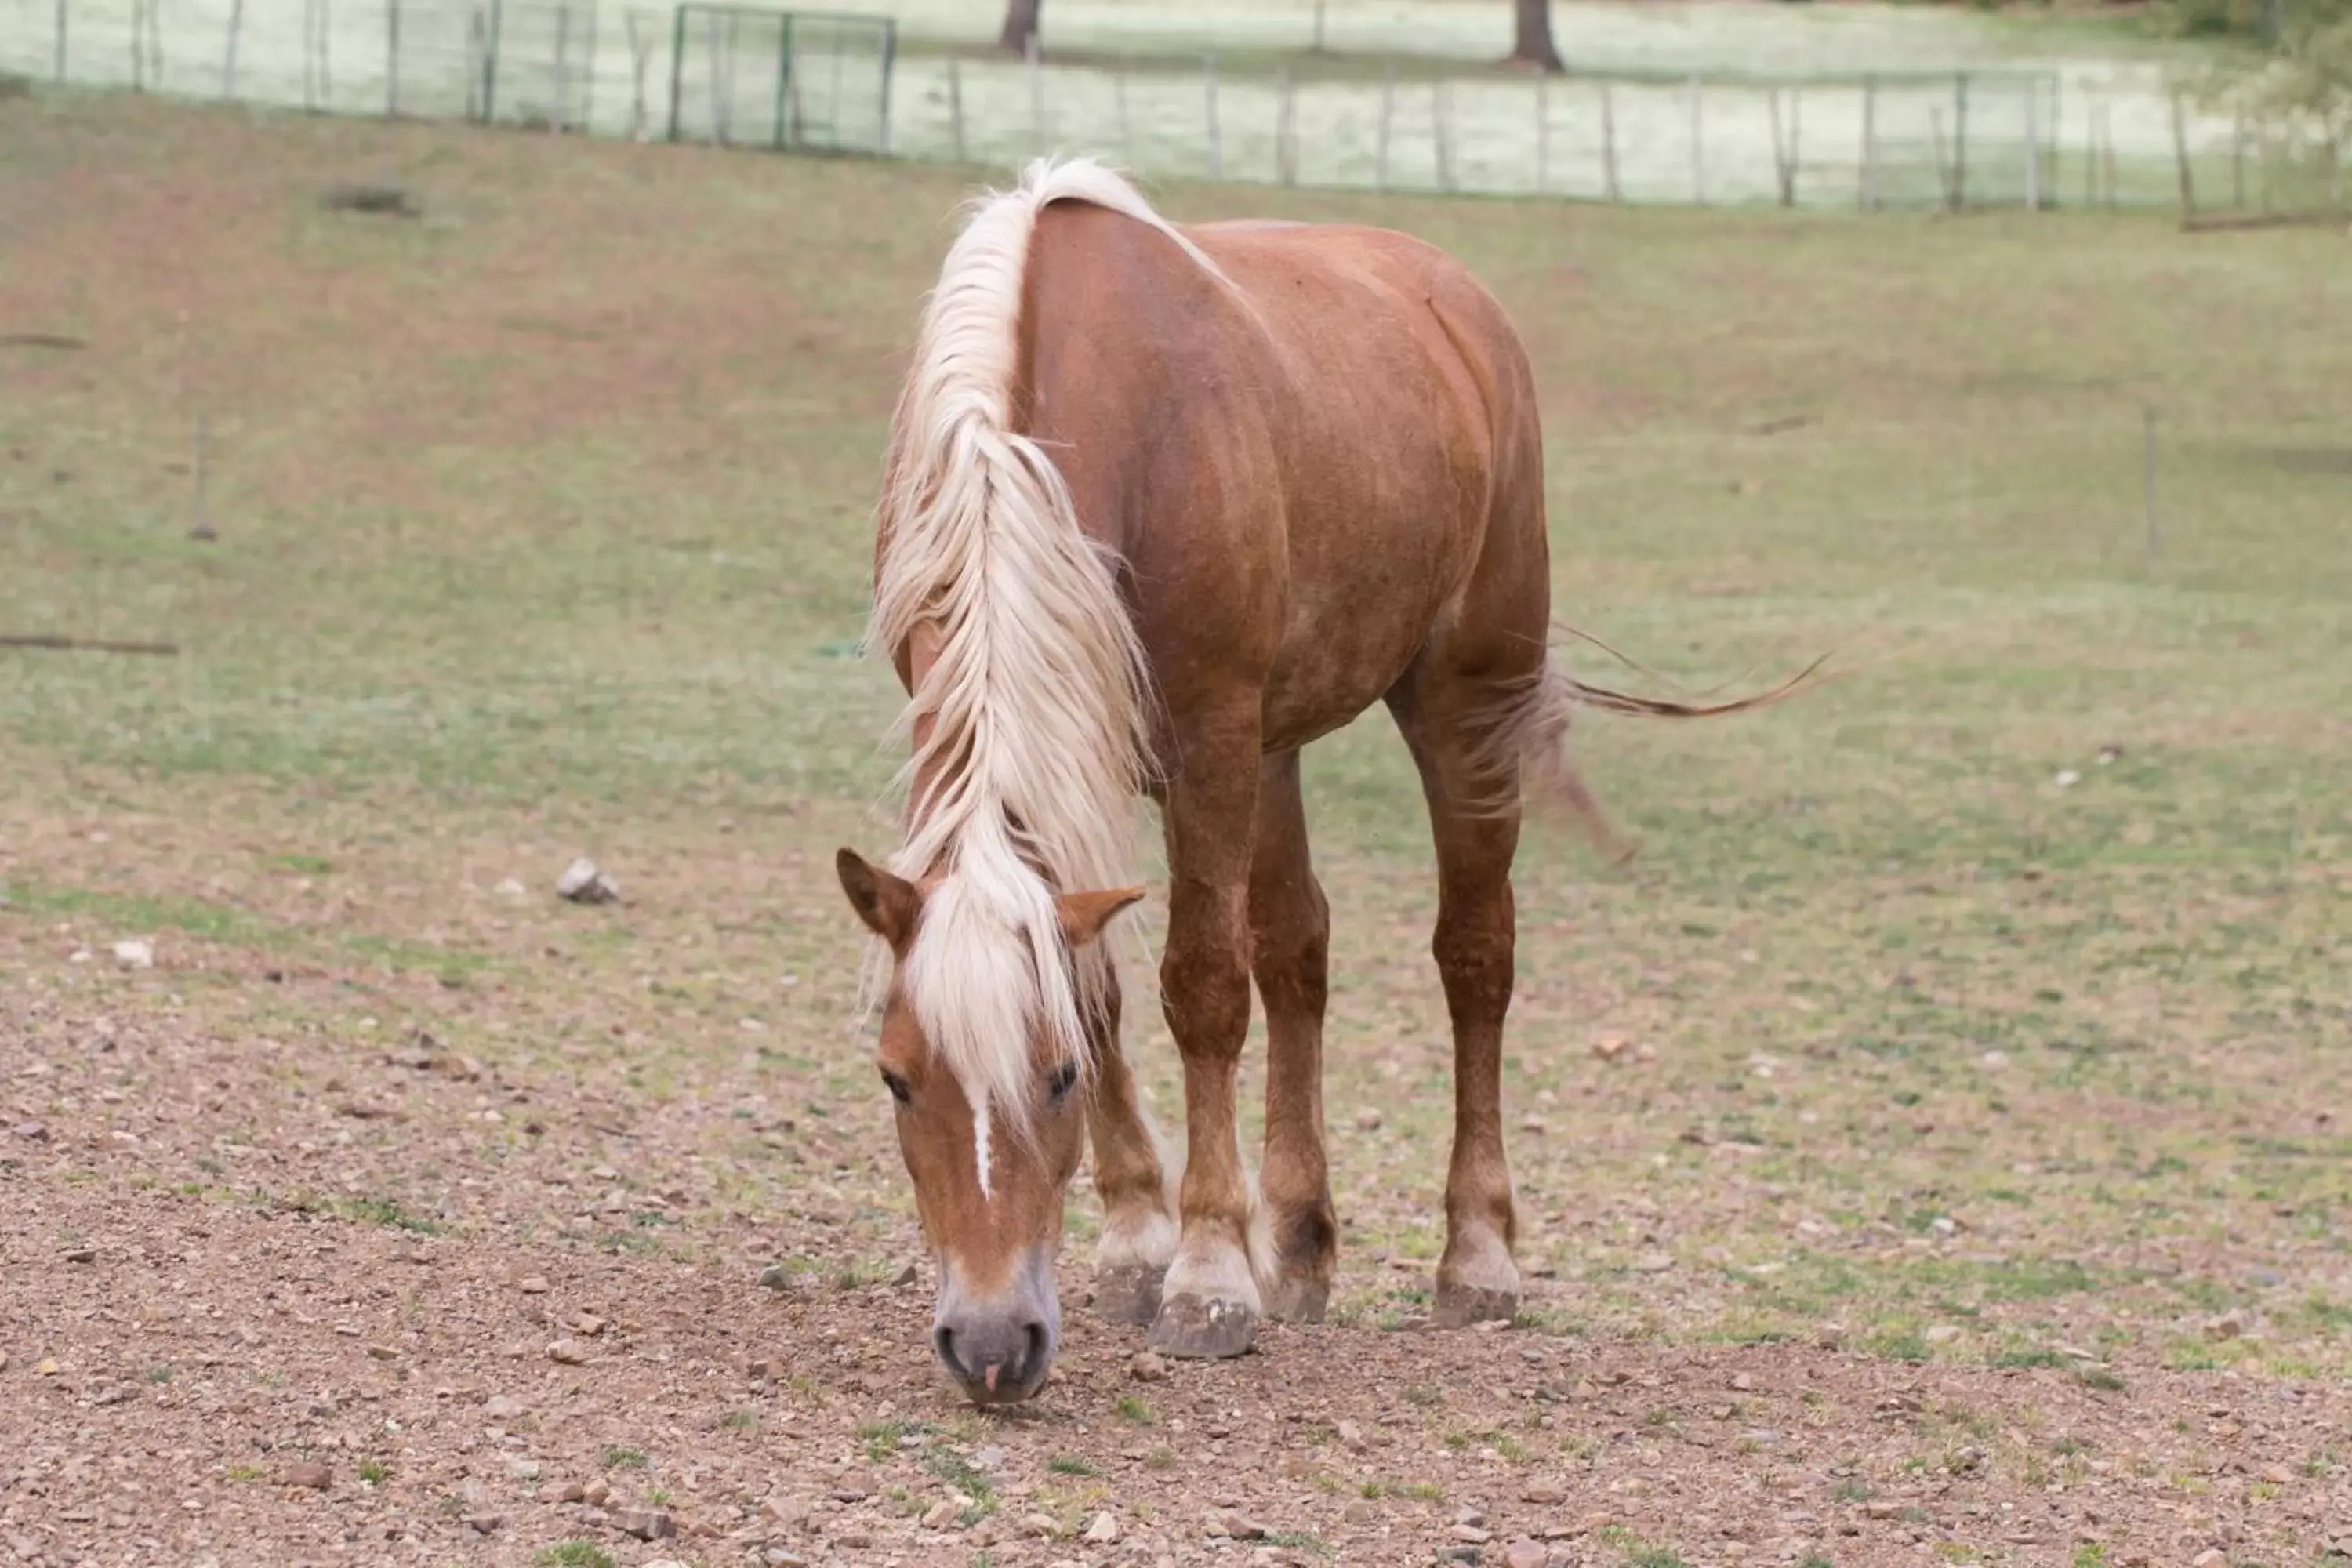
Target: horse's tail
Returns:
[[1527, 738]]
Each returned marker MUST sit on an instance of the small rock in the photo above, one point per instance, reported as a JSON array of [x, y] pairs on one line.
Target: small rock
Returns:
[[1040, 1524], [499, 1407], [134, 955], [1233, 1523], [47, 1367], [533, 1285], [1367, 1119], [1525, 1553], [582, 883], [2211, 1557], [1468, 1515], [570, 1491], [1351, 1437], [508, 888], [2066, 778], [1543, 1494], [1147, 1367], [483, 1523], [1610, 1047], [31, 1131], [943, 1515], [2278, 1475], [776, 1276], [1941, 1333], [1995, 1059], [524, 1470], [597, 1492], [569, 1351], [1470, 1535], [588, 1323], [310, 1475], [646, 1523], [1655, 1262], [1101, 1531], [1742, 1383], [383, 1352], [81, 1254], [2228, 1326]]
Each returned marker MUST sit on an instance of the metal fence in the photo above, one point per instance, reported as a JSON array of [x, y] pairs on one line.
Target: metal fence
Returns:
[[780, 79], [741, 76]]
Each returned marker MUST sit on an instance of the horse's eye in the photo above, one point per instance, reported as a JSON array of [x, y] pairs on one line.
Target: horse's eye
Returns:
[[898, 1090], [1065, 1077]]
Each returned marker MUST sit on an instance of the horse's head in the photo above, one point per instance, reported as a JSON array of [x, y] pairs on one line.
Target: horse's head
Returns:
[[991, 1140]]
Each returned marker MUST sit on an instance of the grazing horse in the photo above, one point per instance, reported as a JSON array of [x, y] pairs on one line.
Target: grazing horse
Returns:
[[1162, 505]]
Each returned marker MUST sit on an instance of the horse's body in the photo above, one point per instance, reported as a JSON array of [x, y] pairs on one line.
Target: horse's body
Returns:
[[1205, 496]]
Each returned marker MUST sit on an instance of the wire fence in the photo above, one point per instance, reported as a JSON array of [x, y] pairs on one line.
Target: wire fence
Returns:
[[747, 77]]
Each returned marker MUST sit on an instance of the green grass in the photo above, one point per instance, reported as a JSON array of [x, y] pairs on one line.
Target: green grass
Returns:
[[616, 1458], [1975, 1027], [575, 1555]]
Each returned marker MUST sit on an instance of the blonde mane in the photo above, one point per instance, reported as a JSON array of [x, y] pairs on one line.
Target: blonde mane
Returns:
[[1035, 743]]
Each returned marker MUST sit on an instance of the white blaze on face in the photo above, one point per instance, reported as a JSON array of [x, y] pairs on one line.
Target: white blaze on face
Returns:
[[980, 1148]]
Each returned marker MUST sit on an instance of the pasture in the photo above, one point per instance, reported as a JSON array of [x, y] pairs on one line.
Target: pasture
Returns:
[[1931, 1147]]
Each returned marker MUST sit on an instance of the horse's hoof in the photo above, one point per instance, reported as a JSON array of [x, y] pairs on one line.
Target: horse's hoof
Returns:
[[1129, 1293], [1192, 1328], [1299, 1301], [1459, 1306]]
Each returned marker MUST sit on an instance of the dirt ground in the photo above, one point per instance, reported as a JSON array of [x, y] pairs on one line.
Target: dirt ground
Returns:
[[194, 1378], [1931, 1149]]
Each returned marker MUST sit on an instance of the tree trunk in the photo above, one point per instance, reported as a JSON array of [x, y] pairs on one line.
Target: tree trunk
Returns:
[[1530, 35], [1020, 26]]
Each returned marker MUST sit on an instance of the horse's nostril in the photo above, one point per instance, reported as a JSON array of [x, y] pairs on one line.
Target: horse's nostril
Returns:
[[1034, 1350], [943, 1340]]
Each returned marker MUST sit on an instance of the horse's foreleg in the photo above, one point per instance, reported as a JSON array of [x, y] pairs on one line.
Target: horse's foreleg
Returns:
[[1138, 1235], [1210, 1305], [1290, 933]]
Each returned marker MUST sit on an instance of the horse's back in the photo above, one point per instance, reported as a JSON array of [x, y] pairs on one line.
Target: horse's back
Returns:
[[1299, 466]]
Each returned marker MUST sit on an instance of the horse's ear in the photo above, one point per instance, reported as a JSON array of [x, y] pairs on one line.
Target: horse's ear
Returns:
[[1084, 915], [887, 904]]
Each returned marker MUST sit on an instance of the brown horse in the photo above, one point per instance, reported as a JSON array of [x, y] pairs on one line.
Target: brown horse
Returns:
[[1163, 505]]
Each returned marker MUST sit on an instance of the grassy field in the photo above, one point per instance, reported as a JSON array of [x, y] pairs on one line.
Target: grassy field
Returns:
[[1986, 1009]]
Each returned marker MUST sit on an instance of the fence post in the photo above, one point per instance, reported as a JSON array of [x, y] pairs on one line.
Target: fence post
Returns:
[[493, 20], [2238, 159], [138, 43], [1543, 129], [2033, 146], [391, 59], [1285, 157], [1034, 60], [2180, 155], [1209, 84], [1936, 147], [63, 19], [1119, 98], [1441, 118], [677, 69], [1696, 90], [1784, 164], [780, 128], [562, 115], [228, 57], [955, 107], [1869, 195], [1960, 141], [1388, 114], [1608, 141]]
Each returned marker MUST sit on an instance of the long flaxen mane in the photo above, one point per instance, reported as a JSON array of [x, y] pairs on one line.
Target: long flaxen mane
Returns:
[[1029, 722]]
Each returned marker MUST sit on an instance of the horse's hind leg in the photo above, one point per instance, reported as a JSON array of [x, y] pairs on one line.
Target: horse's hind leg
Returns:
[[1475, 817], [1290, 930]]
